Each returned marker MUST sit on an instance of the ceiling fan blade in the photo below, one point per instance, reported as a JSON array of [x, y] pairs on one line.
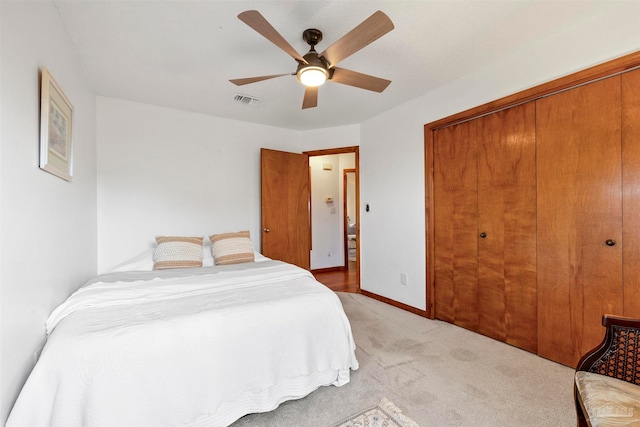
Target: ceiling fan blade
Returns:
[[363, 81], [255, 20], [310, 97], [240, 82], [371, 29]]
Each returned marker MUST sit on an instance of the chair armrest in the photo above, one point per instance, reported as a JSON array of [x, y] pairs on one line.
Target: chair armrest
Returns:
[[618, 354], [627, 322]]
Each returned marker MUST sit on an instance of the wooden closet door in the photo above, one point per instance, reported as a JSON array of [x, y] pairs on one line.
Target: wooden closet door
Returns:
[[579, 210], [507, 225], [631, 191], [455, 218]]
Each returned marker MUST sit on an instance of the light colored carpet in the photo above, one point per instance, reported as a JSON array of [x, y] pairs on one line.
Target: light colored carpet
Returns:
[[439, 374]]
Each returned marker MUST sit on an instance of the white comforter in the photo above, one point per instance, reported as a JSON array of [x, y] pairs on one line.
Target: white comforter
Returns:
[[187, 347]]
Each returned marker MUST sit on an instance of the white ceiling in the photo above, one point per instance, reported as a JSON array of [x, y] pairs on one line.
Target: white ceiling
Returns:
[[181, 54]]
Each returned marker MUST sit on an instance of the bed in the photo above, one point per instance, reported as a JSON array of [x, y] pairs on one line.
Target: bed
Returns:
[[187, 346]]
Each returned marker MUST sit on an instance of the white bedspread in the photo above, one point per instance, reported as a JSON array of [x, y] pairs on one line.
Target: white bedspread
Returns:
[[187, 347]]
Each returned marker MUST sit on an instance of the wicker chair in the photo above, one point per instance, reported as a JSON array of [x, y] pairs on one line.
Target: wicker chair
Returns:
[[600, 398]]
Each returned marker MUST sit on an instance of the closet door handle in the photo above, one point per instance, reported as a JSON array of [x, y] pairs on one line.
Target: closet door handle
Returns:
[[483, 234], [266, 230], [610, 242]]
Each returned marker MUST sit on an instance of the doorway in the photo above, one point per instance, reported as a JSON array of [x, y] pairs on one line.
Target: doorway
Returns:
[[335, 217], [350, 238]]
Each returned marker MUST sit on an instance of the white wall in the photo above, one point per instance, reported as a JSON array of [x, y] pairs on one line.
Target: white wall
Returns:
[[392, 147], [166, 171], [338, 137], [328, 218], [325, 217], [47, 225]]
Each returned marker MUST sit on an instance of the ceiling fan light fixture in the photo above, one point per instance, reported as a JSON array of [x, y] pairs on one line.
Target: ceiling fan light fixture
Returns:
[[316, 68], [312, 75]]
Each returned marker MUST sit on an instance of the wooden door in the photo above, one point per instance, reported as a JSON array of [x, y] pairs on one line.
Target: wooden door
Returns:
[[455, 182], [507, 302], [285, 193], [631, 191], [579, 210]]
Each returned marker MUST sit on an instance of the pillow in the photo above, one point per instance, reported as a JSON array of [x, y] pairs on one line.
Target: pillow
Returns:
[[207, 260], [177, 252], [232, 248], [144, 260]]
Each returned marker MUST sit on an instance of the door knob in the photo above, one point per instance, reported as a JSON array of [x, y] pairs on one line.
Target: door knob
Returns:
[[483, 234], [266, 230], [610, 242]]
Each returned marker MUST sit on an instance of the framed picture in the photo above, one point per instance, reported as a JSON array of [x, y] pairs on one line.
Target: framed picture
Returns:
[[56, 154]]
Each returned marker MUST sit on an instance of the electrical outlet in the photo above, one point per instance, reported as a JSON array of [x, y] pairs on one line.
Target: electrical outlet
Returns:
[[403, 279]]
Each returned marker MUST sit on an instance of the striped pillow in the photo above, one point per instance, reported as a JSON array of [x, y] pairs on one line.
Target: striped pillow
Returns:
[[177, 252], [232, 248]]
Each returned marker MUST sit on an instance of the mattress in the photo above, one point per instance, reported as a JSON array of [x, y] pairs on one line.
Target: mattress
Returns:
[[193, 347]]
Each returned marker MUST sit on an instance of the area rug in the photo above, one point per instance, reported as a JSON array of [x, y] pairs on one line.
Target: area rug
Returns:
[[385, 414]]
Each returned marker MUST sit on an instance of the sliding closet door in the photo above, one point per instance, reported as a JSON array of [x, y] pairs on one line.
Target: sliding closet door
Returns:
[[507, 226], [579, 217], [631, 186], [455, 218]]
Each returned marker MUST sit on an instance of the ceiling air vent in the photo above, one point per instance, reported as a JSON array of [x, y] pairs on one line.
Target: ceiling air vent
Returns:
[[246, 99]]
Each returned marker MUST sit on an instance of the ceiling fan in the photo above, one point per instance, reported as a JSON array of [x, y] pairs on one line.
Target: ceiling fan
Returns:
[[315, 68]]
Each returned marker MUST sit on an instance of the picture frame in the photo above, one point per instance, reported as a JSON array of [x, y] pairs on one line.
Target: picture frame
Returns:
[[56, 116]]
